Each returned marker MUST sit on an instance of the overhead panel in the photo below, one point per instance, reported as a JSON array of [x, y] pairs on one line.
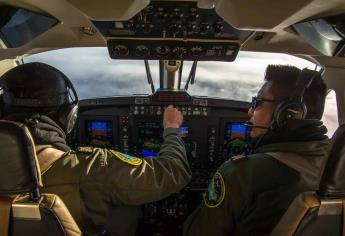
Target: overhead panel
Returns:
[[173, 20], [173, 30]]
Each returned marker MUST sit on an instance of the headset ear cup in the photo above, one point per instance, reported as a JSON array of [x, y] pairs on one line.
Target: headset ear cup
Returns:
[[67, 116], [288, 110], [278, 120], [72, 118]]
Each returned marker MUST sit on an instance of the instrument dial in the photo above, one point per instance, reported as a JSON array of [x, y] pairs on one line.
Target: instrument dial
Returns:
[[162, 50], [121, 50], [142, 50]]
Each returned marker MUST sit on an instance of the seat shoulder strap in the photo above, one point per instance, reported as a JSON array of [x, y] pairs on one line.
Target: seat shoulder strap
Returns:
[[48, 157], [296, 162]]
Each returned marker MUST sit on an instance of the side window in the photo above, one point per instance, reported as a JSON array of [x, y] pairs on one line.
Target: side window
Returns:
[[330, 115]]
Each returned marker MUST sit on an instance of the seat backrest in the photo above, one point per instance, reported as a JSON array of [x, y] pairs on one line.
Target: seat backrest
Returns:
[[320, 212], [23, 210]]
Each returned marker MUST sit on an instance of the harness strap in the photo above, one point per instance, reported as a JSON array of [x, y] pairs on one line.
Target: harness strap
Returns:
[[296, 162]]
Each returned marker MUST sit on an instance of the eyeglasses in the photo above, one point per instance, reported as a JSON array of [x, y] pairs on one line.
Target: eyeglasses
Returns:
[[256, 102]]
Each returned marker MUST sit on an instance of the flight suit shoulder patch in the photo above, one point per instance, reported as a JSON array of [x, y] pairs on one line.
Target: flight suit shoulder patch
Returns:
[[132, 160], [85, 149], [215, 191]]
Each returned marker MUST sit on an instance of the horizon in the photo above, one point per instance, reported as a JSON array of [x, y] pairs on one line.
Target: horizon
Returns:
[[95, 74]]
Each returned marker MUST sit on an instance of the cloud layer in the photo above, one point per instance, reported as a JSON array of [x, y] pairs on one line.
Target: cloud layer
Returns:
[[94, 74]]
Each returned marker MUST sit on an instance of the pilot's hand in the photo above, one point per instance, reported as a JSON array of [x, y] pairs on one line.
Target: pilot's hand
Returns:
[[172, 118]]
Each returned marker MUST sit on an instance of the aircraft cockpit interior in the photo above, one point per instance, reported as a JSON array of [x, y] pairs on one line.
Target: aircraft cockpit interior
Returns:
[[134, 124], [170, 40]]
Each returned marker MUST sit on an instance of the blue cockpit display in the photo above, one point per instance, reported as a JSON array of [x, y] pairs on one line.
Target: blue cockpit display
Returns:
[[235, 140], [148, 153], [100, 133]]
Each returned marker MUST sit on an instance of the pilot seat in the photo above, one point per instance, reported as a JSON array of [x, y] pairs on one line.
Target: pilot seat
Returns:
[[23, 210], [321, 212]]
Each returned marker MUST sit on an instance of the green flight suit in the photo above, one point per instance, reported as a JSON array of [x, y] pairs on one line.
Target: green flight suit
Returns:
[[92, 182], [248, 195]]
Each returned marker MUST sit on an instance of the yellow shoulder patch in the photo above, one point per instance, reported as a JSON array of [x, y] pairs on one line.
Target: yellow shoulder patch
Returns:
[[134, 161], [215, 191]]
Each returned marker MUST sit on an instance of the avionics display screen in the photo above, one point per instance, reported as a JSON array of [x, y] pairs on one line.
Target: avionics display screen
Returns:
[[150, 137], [235, 140], [235, 130], [184, 131], [99, 133]]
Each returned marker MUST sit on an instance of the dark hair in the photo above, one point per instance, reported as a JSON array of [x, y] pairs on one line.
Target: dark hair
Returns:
[[283, 80]]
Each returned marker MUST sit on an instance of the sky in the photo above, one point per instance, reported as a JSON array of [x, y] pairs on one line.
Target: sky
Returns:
[[94, 74]]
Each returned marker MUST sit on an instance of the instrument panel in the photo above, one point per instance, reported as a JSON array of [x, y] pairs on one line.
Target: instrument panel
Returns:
[[172, 50], [213, 130], [173, 19]]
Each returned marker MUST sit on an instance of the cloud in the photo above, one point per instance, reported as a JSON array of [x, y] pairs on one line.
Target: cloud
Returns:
[[94, 74]]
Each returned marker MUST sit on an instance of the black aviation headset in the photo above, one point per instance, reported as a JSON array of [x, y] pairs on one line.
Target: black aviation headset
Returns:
[[67, 103], [68, 112], [294, 107]]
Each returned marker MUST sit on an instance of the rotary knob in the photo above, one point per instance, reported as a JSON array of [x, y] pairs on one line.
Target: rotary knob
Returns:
[[192, 28], [175, 29], [204, 27], [218, 28], [193, 17], [179, 51], [162, 50]]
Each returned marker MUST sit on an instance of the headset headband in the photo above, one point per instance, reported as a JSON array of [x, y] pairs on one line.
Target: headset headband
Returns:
[[70, 86], [51, 101], [303, 82]]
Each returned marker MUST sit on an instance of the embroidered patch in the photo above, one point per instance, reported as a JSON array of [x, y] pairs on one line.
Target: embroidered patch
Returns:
[[135, 161], [85, 149], [215, 191]]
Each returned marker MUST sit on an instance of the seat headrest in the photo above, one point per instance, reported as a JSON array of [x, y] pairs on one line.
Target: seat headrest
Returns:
[[332, 182], [19, 169]]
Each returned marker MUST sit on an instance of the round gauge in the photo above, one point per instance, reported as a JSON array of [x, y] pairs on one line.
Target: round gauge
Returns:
[[142, 50], [179, 51], [162, 50], [121, 50]]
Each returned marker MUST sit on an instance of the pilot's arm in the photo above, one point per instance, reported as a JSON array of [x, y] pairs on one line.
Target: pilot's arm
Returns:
[[220, 207], [118, 179]]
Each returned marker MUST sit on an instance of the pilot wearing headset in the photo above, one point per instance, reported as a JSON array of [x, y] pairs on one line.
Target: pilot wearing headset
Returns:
[[248, 194], [97, 185]]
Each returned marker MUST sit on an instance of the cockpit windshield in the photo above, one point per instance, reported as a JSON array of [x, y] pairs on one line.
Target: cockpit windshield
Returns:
[[94, 74]]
